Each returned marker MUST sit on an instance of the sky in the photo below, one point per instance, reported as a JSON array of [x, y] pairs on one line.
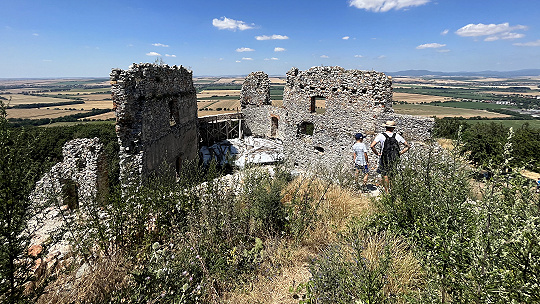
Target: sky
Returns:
[[70, 38]]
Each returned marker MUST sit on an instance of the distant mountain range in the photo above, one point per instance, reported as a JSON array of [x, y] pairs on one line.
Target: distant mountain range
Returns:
[[503, 74]]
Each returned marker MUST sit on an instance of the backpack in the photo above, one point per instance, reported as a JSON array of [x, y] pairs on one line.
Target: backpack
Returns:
[[390, 150]]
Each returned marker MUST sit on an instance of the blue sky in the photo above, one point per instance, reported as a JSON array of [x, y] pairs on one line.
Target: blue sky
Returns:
[[67, 38]]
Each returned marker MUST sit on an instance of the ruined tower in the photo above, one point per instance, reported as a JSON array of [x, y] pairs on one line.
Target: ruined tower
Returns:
[[255, 90], [156, 117]]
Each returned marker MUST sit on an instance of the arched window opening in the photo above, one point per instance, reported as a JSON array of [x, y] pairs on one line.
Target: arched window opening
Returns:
[[274, 127], [70, 193]]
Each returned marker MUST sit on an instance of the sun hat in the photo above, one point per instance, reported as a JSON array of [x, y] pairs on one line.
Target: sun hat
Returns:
[[390, 124], [358, 136]]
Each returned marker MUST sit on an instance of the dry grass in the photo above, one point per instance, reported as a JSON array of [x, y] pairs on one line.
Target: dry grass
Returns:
[[90, 286], [446, 143], [406, 272], [287, 261]]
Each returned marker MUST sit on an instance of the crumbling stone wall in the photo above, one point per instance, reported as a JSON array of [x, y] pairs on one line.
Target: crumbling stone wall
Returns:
[[324, 107], [156, 117], [80, 179], [255, 90]]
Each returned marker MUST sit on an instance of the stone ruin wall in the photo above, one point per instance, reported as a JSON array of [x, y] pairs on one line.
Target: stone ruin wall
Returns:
[[354, 101], [82, 176], [255, 90], [156, 117]]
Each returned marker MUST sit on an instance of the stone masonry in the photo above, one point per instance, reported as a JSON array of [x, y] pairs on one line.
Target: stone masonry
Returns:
[[256, 90], [79, 179], [324, 107], [156, 118]]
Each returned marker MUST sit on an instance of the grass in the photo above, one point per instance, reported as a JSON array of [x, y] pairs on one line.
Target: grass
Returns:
[[288, 259]]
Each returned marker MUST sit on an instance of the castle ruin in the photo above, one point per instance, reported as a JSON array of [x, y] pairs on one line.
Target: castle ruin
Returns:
[[324, 107], [80, 179], [156, 118], [256, 89]]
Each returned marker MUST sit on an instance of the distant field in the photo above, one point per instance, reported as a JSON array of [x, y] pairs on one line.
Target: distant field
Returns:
[[474, 105], [210, 93], [73, 123], [104, 116], [17, 99], [88, 91], [227, 104], [510, 123], [40, 113], [417, 98], [440, 112]]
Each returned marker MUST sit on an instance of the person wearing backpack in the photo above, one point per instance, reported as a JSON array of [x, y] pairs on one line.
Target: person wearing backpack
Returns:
[[390, 151]]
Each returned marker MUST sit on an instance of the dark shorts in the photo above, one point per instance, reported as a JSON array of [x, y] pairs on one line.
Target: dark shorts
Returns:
[[364, 169], [386, 168]]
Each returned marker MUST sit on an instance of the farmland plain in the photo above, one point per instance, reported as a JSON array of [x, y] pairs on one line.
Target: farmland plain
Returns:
[[424, 96]]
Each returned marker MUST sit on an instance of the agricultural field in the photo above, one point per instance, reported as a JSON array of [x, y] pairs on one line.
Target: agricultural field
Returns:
[[474, 105], [70, 96], [417, 98], [533, 123], [41, 113], [440, 112]]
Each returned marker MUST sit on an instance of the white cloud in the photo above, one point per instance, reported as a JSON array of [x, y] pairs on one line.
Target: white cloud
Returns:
[[445, 32], [324, 56], [492, 31], [35, 34], [358, 56], [225, 23], [507, 36], [153, 54], [530, 43], [238, 61], [385, 5], [346, 38], [430, 46], [273, 58], [381, 57], [279, 49], [443, 51], [273, 37], [160, 44], [247, 58], [244, 49], [167, 55]]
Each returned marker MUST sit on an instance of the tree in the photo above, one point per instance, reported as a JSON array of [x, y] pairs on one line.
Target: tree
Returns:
[[17, 177]]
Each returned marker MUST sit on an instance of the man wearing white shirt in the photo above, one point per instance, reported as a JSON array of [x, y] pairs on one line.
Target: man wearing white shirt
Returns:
[[389, 154]]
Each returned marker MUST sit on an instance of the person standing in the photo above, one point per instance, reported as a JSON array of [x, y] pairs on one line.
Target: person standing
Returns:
[[360, 158], [390, 151]]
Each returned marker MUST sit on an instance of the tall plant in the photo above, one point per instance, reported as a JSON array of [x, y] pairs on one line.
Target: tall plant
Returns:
[[17, 177]]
